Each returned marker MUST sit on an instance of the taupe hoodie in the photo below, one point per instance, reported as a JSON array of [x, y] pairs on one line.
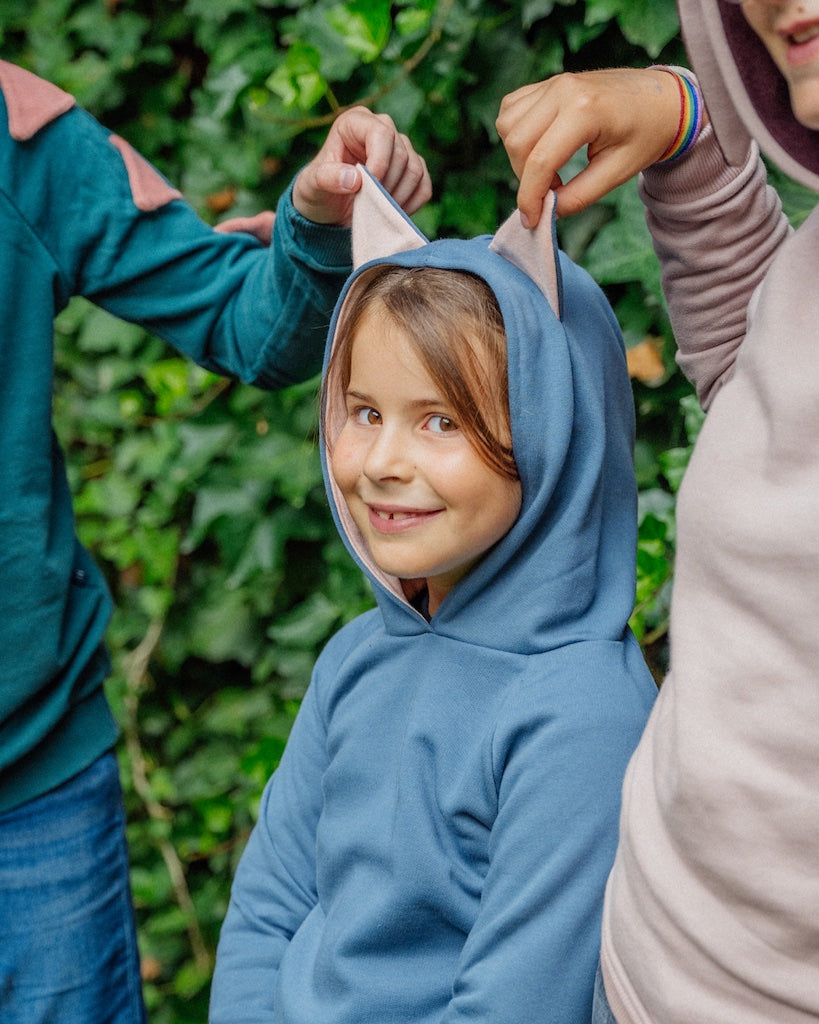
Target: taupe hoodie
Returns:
[[712, 909]]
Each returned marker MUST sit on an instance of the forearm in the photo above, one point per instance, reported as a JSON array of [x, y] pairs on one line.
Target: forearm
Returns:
[[260, 314], [716, 229], [288, 309], [274, 890], [532, 952], [121, 236]]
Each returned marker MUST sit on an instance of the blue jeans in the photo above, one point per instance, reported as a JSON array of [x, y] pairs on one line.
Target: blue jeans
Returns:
[[601, 1011], [68, 952]]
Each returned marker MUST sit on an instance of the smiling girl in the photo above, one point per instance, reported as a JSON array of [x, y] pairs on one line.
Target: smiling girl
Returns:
[[435, 842]]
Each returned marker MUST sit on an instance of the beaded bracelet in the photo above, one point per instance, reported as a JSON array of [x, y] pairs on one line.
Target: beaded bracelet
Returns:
[[690, 116]]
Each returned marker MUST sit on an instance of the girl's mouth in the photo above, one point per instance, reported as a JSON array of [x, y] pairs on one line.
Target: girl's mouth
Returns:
[[390, 520], [803, 35], [802, 43]]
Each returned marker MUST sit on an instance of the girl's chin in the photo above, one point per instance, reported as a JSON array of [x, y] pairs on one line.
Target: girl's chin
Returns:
[[806, 110], [803, 91]]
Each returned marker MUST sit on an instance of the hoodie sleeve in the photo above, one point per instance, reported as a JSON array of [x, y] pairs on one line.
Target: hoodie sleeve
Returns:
[[532, 953], [716, 229], [119, 235], [274, 889]]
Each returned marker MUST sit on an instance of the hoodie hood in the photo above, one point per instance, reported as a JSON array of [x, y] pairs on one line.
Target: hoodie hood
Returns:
[[746, 96], [565, 570]]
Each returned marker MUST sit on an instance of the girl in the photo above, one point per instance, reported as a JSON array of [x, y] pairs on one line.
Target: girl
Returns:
[[434, 844]]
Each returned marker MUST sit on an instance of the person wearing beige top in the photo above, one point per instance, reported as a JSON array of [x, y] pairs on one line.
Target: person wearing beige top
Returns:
[[712, 906]]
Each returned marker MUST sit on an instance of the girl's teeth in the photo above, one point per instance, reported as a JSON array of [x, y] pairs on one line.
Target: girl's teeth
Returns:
[[805, 36]]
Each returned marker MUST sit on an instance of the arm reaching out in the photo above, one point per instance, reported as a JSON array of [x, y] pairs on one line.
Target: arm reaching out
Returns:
[[627, 117], [324, 190]]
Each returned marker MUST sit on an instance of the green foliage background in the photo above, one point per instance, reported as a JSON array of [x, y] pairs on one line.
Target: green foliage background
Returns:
[[202, 498]]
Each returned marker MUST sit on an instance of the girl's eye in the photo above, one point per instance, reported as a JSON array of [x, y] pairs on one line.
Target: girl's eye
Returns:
[[366, 415], [441, 425]]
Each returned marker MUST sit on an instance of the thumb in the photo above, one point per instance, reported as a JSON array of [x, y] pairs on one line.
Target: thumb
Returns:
[[324, 189], [337, 178]]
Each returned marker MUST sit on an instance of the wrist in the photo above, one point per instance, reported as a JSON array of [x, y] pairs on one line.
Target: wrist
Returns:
[[692, 115], [325, 247]]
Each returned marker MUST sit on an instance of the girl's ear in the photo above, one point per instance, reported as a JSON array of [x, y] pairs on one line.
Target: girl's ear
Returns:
[[380, 227], [534, 251]]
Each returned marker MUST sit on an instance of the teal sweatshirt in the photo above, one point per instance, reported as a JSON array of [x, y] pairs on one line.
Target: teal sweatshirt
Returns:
[[82, 214]]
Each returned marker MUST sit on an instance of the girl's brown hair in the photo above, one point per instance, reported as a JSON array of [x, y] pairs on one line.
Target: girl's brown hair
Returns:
[[453, 320]]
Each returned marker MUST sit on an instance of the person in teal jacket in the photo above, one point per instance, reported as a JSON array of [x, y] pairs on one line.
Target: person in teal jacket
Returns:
[[435, 843], [81, 213]]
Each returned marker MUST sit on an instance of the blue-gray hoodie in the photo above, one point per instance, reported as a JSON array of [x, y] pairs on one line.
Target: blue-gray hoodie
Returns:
[[435, 843]]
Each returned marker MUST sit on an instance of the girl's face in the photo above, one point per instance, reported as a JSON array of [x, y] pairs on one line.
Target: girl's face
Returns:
[[426, 503], [790, 31]]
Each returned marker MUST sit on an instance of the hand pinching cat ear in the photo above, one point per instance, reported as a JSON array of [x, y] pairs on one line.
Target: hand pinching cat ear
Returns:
[[380, 228]]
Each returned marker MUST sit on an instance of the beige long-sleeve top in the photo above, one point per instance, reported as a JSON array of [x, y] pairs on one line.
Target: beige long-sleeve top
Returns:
[[712, 909]]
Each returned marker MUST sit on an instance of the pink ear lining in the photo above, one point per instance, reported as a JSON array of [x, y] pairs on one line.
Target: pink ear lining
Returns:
[[533, 251], [379, 227]]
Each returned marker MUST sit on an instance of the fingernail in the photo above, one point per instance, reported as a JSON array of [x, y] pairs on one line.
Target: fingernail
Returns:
[[348, 178], [524, 219]]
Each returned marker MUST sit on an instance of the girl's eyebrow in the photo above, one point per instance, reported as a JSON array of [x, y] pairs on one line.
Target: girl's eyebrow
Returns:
[[426, 403], [416, 403]]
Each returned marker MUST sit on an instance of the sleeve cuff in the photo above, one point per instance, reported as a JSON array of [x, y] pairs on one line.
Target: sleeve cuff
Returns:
[[324, 247], [702, 171]]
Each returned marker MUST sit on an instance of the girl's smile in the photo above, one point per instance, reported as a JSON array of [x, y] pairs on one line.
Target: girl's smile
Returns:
[[425, 502], [396, 520], [803, 44]]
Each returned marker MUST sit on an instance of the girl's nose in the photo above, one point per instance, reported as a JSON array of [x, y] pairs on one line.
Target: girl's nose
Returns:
[[387, 457]]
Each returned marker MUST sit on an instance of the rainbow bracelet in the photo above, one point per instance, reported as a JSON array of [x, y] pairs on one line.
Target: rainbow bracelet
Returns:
[[690, 117]]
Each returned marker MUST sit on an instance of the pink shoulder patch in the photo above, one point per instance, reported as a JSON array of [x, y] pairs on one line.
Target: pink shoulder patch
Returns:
[[149, 189], [31, 101]]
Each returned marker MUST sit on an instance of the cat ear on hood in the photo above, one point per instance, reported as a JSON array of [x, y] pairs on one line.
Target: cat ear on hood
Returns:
[[380, 227], [534, 251]]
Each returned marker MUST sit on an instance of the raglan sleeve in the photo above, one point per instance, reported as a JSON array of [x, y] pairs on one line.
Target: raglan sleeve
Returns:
[[716, 229], [126, 240], [274, 889], [532, 953]]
